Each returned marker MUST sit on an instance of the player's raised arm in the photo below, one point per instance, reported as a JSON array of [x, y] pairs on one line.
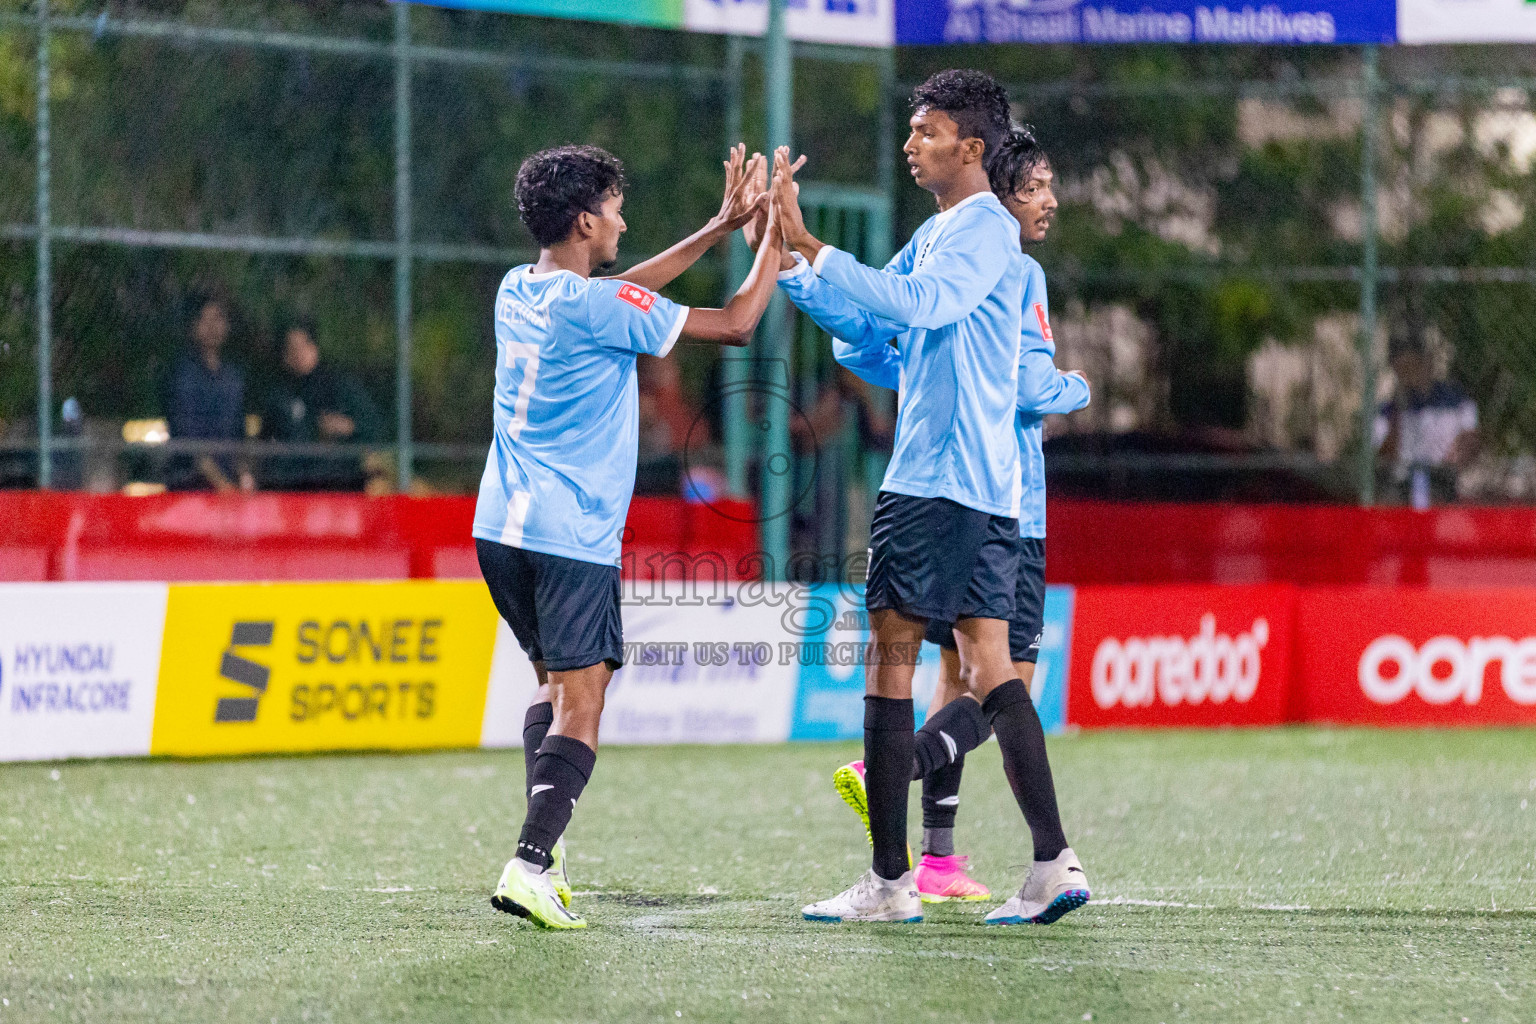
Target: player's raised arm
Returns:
[[734, 324], [758, 185], [946, 288], [861, 341], [743, 200]]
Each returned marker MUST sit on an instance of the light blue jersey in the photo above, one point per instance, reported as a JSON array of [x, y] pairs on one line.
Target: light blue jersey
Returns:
[[561, 468], [862, 343], [953, 296], [1043, 390]]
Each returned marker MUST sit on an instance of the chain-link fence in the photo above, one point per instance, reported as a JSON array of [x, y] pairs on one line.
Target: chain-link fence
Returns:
[[346, 168]]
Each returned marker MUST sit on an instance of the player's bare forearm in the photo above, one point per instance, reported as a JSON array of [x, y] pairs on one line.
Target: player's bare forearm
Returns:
[[807, 245], [742, 202], [733, 325], [665, 267]]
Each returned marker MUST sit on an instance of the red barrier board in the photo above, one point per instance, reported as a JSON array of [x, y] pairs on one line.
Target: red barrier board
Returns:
[[1180, 656], [1381, 656], [1319, 545], [201, 536]]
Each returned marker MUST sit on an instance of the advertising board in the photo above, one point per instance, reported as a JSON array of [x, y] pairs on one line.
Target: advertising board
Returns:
[[323, 666], [1180, 656], [716, 667], [850, 22], [1381, 656], [78, 668], [829, 699], [1466, 21], [926, 22]]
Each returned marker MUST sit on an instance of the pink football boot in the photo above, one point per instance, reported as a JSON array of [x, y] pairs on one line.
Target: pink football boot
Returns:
[[940, 879]]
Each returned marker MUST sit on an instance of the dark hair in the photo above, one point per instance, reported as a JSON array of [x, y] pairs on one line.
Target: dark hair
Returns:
[[974, 99], [1401, 342], [555, 185], [303, 323], [201, 298], [1017, 157]]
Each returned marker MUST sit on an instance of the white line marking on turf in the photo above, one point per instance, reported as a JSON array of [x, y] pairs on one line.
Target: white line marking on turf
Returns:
[[1127, 901]]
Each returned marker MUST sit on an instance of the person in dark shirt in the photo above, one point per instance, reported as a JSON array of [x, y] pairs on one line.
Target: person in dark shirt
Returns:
[[314, 403], [205, 400], [1427, 432]]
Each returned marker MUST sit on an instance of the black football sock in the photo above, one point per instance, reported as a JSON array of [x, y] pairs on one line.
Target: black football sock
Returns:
[[887, 776], [941, 802], [536, 725], [1022, 741], [938, 842], [951, 732], [559, 775]]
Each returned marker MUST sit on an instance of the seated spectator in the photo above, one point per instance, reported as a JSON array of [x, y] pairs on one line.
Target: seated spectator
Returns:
[[1427, 431], [314, 403], [204, 399]]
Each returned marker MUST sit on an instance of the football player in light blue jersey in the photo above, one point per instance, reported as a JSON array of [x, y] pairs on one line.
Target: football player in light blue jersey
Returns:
[[1021, 176], [561, 467], [944, 538]]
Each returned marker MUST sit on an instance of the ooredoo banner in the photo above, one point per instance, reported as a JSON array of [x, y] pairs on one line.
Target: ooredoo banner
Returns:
[[78, 666], [1180, 656], [1380, 656]]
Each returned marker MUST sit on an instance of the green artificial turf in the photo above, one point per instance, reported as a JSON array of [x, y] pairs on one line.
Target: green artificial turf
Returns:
[[1287, 875]]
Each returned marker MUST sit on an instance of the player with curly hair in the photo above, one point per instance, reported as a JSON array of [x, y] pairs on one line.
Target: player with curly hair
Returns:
[[561, 467]]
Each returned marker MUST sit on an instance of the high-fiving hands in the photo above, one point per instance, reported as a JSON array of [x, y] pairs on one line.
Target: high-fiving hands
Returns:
[[744, 200], [761, 186], [786, 196]]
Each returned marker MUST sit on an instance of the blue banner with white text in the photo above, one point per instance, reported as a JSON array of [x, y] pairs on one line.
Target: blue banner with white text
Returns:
[[1284, 22]]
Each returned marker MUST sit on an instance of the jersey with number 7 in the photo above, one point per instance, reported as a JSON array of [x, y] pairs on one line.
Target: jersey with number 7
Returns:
[[561, 468]]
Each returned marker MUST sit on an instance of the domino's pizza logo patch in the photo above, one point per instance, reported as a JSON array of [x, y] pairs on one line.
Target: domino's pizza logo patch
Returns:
[[1045, 322], [637, 297]]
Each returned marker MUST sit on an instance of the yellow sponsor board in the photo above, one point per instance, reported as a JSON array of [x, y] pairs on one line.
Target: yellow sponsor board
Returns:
[[287, 667]]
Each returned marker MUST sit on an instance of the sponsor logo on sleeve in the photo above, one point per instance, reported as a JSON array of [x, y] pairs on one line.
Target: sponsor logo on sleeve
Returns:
[[296, 667], [1045, 322], [637, 297]]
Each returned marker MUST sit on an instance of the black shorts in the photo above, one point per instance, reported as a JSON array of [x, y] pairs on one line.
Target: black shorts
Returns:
[[1028, 619], [932, 558], [563, 612]]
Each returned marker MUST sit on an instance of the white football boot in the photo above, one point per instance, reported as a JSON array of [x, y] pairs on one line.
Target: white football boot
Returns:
[[1052, 888], [871, 898]]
